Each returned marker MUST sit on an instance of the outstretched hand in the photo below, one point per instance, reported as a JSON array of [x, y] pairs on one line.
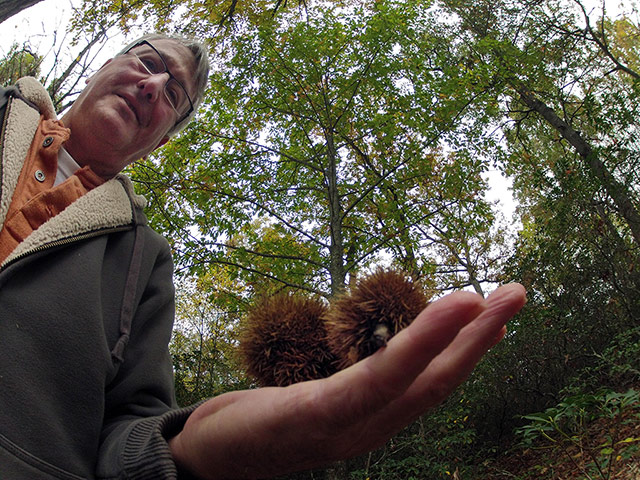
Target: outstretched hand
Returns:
[[253, 434]]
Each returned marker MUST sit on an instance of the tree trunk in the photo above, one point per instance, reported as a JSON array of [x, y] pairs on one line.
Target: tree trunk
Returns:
[[336, 247], [9, 8], [614, 189]]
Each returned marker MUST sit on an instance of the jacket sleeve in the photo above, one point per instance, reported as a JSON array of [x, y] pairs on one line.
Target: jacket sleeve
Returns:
[[140, 408]]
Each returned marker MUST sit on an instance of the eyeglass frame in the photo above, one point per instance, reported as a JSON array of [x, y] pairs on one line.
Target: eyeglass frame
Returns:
[[167, 71]]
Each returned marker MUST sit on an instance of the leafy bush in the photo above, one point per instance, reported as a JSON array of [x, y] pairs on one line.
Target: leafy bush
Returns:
[[618, 366], [432, 448], [566, 427]]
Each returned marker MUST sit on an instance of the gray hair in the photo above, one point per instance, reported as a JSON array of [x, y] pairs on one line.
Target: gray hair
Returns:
[[200, 76]]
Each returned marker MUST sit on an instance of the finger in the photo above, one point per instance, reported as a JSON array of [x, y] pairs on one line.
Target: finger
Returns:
[[500, 336], [479, 336], [398, 384], [377, 380], [455, 363]]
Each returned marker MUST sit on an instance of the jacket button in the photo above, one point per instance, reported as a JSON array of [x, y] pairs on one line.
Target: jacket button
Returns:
[[40, 176], [47, 141]]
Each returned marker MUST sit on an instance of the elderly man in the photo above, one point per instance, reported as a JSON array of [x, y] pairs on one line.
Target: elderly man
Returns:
[[86, 308]]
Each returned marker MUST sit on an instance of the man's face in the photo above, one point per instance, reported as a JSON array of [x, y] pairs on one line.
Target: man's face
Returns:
[[123, 114]]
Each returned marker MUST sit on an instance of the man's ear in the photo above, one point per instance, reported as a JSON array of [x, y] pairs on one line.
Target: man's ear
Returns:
[[103, 65], [162, 142]]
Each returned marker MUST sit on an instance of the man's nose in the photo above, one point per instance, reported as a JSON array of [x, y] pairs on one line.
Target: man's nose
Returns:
[[153, 86]]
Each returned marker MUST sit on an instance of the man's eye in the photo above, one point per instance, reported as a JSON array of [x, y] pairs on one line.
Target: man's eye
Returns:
[[151, 65], [174, 92]]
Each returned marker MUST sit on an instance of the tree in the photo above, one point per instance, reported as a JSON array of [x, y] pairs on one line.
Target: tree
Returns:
[[18, 62], [203, 345], [204, 19], [570, 143], [541, 47], [318, 154], [61, 62]]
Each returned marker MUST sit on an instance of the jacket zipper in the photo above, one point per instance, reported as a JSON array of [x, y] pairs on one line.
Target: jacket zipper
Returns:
[[63, 242]]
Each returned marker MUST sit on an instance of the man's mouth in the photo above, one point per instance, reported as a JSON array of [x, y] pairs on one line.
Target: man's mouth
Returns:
[[132, 108]]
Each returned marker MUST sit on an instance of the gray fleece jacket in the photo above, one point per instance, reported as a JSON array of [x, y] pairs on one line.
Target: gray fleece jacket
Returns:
[[86, 310]]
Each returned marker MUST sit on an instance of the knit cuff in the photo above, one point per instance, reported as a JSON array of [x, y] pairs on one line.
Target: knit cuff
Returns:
[[146, 455]]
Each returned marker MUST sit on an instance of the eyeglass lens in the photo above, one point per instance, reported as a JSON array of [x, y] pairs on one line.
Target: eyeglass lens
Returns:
[[174, 91]]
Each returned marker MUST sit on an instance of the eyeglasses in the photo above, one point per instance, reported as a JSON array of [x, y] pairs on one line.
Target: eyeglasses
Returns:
[[153, 63]]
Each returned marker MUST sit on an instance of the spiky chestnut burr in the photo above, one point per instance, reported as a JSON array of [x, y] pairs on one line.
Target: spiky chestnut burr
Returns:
[[360, 322], [284, 341]]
